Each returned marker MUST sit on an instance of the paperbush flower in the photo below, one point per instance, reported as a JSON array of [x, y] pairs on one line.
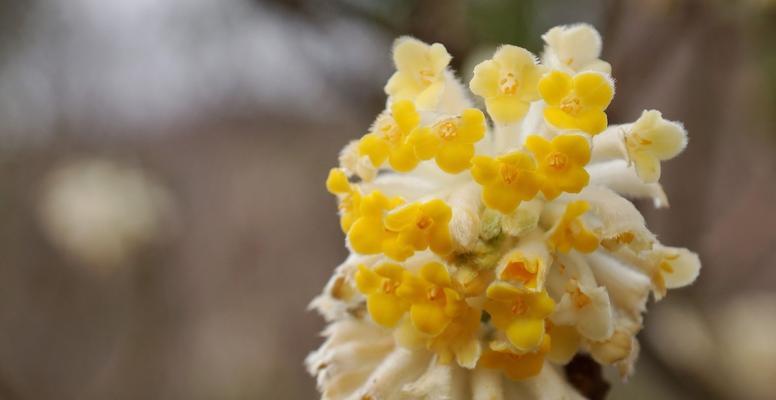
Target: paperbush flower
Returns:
[[483, 258]]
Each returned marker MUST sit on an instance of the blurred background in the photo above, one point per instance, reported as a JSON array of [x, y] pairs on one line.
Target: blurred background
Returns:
[[163, 219]]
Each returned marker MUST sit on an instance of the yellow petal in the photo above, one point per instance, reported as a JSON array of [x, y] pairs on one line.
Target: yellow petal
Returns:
[[594, 89], [502, 291], [402, 218], [428, 318], [484, 82], [576, 147], [513, 58], [539, 146], [375, 147], [385, 309], [554, 86], [425, 143], [429, 97], [525, 333], [367, 281], [484, 169], [337, 182], [366, 236], [472, 127], [437, 210], [506, 109], [405, 115], [592, 122], [391, 271], [435, 273], [500, 197], [454, 158], [565, 343], [402, 158]]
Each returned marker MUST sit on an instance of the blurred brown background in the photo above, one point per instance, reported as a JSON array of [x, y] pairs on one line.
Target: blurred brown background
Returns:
[[163, 217]]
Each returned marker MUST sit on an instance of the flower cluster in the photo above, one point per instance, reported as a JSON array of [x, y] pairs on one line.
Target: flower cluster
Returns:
[[502, 248]]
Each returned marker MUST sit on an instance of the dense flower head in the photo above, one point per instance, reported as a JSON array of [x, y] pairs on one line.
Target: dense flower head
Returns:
[[495, 246]]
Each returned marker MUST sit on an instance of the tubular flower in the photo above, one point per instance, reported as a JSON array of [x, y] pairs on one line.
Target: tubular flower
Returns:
[[388, 138], [520, 314], [479, 285], [367, 235], [434, 301], [506, 180], [561, 163], [419, 226], [570, 232], [578, 102], [379, 286], [508, 83], [420, 72], [348, 195], [517, 366], [450, 142], [650, 140], [574, 48]]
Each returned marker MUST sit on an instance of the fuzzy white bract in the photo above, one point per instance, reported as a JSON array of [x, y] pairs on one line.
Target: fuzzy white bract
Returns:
[[487, 252]]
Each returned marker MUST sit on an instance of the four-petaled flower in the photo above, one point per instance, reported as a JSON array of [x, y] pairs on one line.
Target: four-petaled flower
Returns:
[[420, 72], [521, 314], [578, 102], [517, 366], [652, 139], [434, 302], [506, 180], [570, 232], [388, 138], [508, 83], [561, 163], [418, 226], [380, 285], [574, 48], [450, 141], [367, 234]]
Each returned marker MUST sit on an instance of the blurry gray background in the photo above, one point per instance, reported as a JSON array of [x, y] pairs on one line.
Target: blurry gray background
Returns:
[[163, 220]]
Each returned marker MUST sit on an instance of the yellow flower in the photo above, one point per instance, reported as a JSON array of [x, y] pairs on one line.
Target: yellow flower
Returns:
[[388, 138], [348, 195], [506, 180], [561, 163], [507, 82], [651, 140], [570, 232], [379, 286], [367, 235], [420, 72], [577, 103], [451, 141], [418, 226], [520, 314], [517, 366], [434, 302], [459, 340]]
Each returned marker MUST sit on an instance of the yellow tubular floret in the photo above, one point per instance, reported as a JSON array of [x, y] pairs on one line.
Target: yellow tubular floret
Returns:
[[517, 366], [420, 72], [571, 233], [450, 141], [652, 139], [379, 286], [561, 163], [388, 139], [508, 83], [578, 102], [519, 313], [506, 180]]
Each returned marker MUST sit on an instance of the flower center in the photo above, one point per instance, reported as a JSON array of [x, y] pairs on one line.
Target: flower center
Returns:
[[571, 105], [426, 76], [389, 286], [508, 84], [389, 129], [509, 173], [577, 297], [520, 270], [447, 130], [557, 160], [434, 293], [424, 222], [666, 267], [519, 307]]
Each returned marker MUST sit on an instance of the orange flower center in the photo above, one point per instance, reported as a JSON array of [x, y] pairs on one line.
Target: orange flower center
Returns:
[[557, 161], [508, 84], [571, 105], [424, 222], [389, 129], [434, 293], [509, 173], [389, 286], [519, 307], [426, 76], [447, 130]]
